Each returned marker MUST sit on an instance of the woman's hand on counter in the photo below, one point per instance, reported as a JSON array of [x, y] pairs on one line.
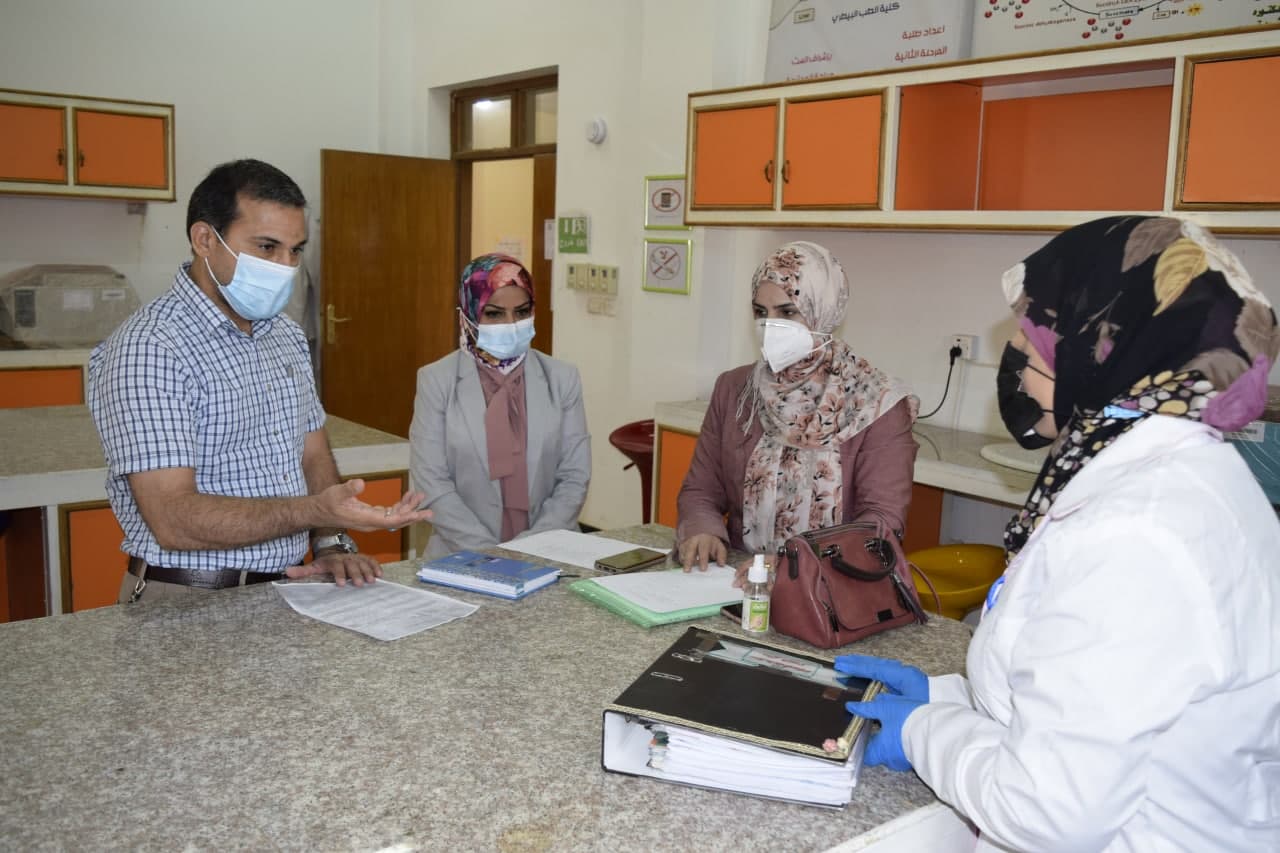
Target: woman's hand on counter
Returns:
[[700, 550]]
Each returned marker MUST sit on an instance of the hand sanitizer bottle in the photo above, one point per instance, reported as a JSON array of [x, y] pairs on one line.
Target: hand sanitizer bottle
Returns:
[[755, 597]]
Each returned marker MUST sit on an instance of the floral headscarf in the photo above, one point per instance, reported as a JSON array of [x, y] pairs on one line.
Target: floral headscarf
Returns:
[[1137, 316], [480, 280], [794, 479]]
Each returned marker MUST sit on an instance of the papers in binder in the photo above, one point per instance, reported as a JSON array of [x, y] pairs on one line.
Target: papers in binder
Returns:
[[721, 711], [659, 598]]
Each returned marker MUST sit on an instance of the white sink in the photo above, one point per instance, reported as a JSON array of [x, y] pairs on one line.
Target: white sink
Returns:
[[1013, 455]]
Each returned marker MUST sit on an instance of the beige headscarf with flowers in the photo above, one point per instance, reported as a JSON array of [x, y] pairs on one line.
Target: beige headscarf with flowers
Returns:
[[794, 480]]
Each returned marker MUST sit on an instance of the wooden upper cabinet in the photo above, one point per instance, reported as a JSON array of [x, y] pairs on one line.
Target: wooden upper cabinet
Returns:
[[734, 163], [115, 149], [1231, 132], [69, 145], [831, 152], [1026, 142], [33, 144]]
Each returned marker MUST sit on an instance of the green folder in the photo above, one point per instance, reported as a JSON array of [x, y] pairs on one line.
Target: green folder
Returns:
[[642, 616]]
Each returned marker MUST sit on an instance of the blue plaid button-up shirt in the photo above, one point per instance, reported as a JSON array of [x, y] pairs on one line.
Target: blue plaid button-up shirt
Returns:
[[179, 386]]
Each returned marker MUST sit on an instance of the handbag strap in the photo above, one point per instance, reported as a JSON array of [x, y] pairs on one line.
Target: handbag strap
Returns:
[[937, 601]]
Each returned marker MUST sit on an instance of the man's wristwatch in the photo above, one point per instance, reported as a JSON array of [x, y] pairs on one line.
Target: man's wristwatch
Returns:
[[334, 542]]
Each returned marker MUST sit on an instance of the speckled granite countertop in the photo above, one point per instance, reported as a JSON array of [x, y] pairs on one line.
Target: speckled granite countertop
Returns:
[[52, 454], [229, 721], [949, 459]]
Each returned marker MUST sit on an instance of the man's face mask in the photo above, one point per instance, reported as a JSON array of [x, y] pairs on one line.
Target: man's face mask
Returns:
[[1018, 409], [784, 342], [259, 289]]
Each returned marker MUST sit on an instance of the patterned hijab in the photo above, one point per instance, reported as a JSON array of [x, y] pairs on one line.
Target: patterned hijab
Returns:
[[794, 481], [480, 280], [1137, 316]]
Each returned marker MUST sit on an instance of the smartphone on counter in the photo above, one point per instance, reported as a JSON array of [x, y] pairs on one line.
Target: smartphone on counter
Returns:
[[732, 611], [630, 561]]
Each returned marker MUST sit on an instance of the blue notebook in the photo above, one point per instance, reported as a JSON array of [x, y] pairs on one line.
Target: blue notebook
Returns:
[[475, 572]]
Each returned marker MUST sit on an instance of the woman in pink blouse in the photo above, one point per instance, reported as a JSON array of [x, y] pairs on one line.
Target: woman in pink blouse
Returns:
[[809, 436]]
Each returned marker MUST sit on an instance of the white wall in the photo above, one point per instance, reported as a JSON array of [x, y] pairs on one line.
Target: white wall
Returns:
[[274, 80]]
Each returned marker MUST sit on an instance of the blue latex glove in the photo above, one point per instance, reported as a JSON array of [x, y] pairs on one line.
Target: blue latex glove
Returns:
[[885, 746], [900, 679]]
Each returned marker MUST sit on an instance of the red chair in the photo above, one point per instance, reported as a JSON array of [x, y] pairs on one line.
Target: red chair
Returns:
[[635, 440]]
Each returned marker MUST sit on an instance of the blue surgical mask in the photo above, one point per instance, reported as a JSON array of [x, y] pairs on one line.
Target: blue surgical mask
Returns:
[[505, 340], [259, 289]]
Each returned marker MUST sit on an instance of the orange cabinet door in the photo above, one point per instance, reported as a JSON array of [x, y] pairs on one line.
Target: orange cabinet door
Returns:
[[385, 546], [831, 152], [33, 144], [733, 156], [120, 149], [95, 563], [27, 387], [674, 454], [1232, 133]]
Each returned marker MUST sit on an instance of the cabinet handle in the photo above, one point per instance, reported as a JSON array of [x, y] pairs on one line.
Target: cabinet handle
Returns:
[[786, 171], [768, 171], [80, 156], [62, 156]]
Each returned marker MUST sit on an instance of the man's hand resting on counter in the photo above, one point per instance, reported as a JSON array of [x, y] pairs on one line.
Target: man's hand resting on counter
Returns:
[[701, 550], [358, 568]]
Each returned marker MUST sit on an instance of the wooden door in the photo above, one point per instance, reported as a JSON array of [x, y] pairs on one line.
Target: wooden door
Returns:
[[733, 156], [544, 208], [831, 152], [388, 279], [33, 145], [95, 565], [121, 149]]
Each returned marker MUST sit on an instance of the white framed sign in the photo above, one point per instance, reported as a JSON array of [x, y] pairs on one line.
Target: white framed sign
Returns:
[[666, 265], [664, 203]]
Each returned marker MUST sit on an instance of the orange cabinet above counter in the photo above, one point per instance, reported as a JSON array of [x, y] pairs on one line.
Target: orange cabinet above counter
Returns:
[[69, 145], [1179, 127]]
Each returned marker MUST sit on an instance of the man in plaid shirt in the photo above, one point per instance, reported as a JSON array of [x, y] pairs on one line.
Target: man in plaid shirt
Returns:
[[219, 467]]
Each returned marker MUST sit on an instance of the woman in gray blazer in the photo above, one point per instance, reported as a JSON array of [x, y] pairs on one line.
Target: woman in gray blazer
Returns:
[[499, 438]]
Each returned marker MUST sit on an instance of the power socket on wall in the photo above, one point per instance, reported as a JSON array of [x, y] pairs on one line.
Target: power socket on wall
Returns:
[[968, 345]]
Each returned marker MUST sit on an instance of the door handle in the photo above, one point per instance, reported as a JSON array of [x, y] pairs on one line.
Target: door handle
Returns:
[[81, 157], [786, 171], [62, 156], [331, 321], [768, 171]]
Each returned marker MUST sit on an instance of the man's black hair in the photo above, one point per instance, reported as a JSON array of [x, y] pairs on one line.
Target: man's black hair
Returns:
[[214, 199]]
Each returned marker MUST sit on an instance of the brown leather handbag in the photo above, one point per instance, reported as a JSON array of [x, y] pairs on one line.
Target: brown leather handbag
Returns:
[[839, 584]]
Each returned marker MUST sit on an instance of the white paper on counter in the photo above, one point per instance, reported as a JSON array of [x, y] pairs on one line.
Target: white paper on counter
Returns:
[[676, 589], [382, 610], [566, 546]]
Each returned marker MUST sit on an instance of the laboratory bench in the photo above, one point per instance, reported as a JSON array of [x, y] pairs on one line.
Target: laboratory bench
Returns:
[[60, 542], [226, 720]]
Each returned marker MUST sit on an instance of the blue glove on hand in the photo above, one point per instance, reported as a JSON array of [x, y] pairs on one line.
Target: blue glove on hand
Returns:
[[885, 746], [900, 679]]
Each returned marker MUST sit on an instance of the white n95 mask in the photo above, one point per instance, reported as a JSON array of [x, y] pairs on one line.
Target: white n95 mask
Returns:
[[259, 289], [784, 342]]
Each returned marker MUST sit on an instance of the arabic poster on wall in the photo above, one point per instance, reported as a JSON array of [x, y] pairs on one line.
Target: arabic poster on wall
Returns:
[[809, 39], [1020, 26]]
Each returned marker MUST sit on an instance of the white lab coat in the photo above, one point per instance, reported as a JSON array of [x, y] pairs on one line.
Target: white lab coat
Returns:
[[1124, 688]]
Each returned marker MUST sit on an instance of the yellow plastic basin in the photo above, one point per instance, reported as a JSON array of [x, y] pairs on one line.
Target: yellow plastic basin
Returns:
[[960, 573]]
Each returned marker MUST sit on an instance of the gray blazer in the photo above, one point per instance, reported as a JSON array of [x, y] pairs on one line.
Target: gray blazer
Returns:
[[449, 458]]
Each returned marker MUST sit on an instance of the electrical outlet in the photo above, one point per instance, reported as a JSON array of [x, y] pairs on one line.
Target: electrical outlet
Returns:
[[968, 345]]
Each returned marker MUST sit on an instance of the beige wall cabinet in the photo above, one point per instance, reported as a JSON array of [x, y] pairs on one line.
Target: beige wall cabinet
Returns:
[[78, 146], [1031, 142]]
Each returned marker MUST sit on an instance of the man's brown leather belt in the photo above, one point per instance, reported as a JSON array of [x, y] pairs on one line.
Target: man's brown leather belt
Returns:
[[198, 578]]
